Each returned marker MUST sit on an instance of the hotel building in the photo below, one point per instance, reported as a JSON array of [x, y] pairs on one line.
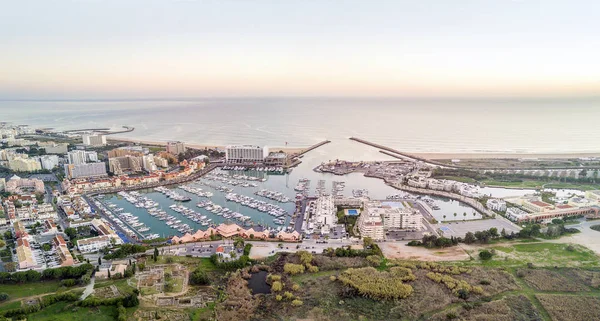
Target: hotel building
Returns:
[[245, 153]]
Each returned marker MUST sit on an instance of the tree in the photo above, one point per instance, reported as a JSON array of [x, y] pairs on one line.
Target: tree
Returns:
[[71, 232], [3, 297], [455, 214], [155, 257], [99, 261], [108, 273], [444, 216], [46, 247], [141, 266], [493, 232], [199, 277], [469, 238]]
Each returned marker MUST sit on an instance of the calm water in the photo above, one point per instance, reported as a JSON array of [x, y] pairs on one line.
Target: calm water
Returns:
[[409, 125]]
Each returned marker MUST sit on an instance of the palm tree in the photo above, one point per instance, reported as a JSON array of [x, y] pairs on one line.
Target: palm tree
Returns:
[[474, 214], [444, 216], [455, 214], [465, 214]]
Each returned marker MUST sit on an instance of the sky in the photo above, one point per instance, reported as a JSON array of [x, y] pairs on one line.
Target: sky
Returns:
[[226, 48]]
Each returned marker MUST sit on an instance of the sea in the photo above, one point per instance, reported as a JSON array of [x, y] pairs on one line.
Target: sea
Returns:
[[442, 126]]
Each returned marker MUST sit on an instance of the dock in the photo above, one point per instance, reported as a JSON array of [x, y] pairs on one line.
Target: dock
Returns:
[[293, 159], [398, 154]]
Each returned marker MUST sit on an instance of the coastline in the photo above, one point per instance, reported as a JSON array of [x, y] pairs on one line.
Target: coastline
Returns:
[[438, 156], [289, 150]]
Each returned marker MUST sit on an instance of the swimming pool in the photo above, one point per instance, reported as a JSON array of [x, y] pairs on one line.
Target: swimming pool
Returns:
[[352, 212]]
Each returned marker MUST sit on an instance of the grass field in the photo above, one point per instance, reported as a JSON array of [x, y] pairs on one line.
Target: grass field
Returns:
[[203, 262], [540, 254], [10, 305], [16, 291], [64, 311], [121, 285]]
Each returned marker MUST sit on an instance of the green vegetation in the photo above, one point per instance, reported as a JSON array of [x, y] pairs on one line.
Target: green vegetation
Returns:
[[375, 284], [64, 311], [595, 227], [16, 291]]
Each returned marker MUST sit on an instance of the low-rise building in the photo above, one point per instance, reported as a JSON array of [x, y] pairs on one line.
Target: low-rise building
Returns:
[[276, 159], [495, 204], [54, 148], [25, 257], [49, 162], [62, 251], [515, 214], [535, 205], [93, 244], [19, 185]]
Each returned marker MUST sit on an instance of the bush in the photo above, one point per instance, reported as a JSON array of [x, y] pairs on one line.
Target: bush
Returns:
[[332, 278], [169, 259], [278, 297], [3, 297], [312, 268], [295, 287], [375, 284], [374, 260], [276, 286], [199, 277], [293, 269], [68, 282], [305, 257], [451, 316], [288, 295], [485, 255], [484, 282], [297, 303], [570, 248], [414, 243]]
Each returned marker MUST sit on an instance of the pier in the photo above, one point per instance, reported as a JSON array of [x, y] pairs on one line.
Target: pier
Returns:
[[293, 159]]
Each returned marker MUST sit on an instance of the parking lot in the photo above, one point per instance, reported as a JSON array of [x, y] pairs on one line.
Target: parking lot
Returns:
[[459, 228]]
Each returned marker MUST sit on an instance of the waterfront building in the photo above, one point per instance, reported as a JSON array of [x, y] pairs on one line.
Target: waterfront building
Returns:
[[20, 185], [61, 250], [93, 244], [287, 236], [245, 153], [276, 159], [20, 163], [324, 217], [252, 234], [175, 147], [418, 182], [85, 170], [93, 140], [54, 148], [49, 161], [25, 258], [120, 165], [229, 230], [495, 204]]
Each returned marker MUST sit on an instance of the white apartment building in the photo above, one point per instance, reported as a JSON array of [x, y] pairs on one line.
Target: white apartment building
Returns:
[[54, 148], [370, 226], [245, 153], [496, 204], [93, 140], [377, 219], [78, 157], [93, 244], [148, 163], [161, 162], [49, 161], [515, 213], [175, 148], [324, 217]]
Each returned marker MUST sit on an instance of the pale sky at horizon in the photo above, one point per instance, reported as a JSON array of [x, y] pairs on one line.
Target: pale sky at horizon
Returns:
[[137, 49]]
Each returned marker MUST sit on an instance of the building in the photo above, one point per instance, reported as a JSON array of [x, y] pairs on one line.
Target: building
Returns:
[[276, 159], [123, 164], [370, 225], [593, 195], [148, 163], [175, 147], [535, 205], [54, 148], [49, 161], [161, 162], [495, 204], [93, 140], [93, 244], [516, 214], [20, 185], [395, 218], [25, 258], [61, 250], [23, 164], [245, 154], [127, 151], [324, 217], [2, 183], [78, 157], [85, 170]]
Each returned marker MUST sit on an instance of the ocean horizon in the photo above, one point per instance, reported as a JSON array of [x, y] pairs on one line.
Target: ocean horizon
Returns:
[[474, 125]]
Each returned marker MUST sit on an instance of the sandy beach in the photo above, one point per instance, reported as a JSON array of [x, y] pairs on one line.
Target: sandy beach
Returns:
[[503, 155], [289, 150]]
